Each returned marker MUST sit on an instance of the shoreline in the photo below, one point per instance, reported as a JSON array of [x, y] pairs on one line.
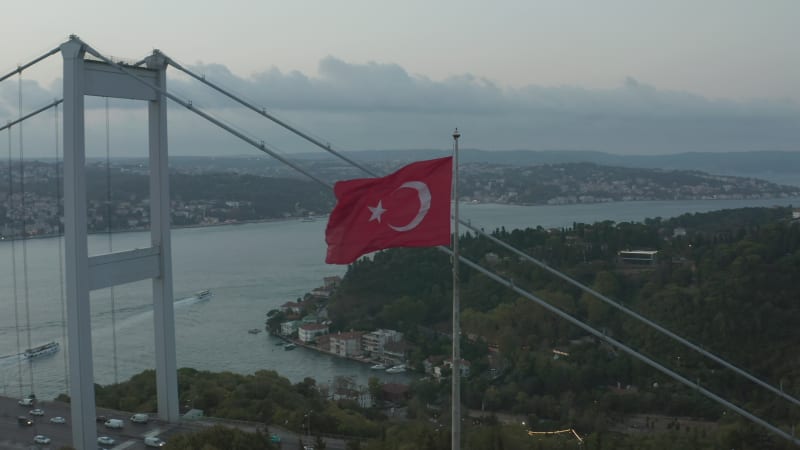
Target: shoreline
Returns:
[[788, 198], [299, 343], [172, 227]]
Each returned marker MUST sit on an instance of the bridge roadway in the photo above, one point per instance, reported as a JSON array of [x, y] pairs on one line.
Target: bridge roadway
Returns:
[[130, 437]]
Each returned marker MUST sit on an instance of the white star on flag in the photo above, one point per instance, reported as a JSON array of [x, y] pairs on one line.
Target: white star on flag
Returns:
[[376, 211]]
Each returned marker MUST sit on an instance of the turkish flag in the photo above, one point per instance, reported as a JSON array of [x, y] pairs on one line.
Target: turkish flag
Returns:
[[409, 208]]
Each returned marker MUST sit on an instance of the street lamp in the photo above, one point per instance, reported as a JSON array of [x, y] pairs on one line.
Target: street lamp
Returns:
[[308, 421]]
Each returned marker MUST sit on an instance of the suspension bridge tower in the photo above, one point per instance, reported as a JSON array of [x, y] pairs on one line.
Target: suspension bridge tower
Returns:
[[84, 77]]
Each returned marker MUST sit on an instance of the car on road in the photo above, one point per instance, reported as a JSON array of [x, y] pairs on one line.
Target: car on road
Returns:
[[274, 438], [58, 419], [27, 401], [140, 418], [36, 412], [41, 439], [153, 441], [105, 440], [25, 421], [114, 423]]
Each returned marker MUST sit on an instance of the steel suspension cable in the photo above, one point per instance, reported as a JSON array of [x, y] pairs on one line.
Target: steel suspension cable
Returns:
[[19, 69], [636, 316], [263, 112], [588, 290], [630, 351], [188, 105], [14, 286], [110, 242], [24, 238], [61, 254], [11, 123]]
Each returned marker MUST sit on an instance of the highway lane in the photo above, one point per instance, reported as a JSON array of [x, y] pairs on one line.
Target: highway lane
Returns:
[[130, 437], [13, 435]]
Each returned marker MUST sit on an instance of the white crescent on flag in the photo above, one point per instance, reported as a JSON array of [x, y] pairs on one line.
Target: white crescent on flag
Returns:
[[424, 195]]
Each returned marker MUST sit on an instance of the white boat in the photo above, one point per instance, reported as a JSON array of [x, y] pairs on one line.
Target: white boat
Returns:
[[378, 367], [42, 350], [289, 346], [307, 219], [400, 368], [202, 295]]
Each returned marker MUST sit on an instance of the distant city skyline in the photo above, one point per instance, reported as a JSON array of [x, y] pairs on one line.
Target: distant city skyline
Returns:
[[625, 77]]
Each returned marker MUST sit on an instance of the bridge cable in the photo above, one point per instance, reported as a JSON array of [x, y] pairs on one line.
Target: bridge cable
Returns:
[[326, 147], [263, 112], [630, 351], [59, 214], [188, 105], [19, 69], [110, 241], [11, 123], [24, 238], [476, 266], [14, 286]]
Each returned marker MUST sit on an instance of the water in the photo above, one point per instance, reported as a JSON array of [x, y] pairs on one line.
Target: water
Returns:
[[250, 269]]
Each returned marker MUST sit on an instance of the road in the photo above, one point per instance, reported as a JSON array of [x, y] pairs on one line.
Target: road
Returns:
[[130, 437]]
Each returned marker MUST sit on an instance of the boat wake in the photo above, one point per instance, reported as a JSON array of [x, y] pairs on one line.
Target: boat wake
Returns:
[[140, 312], [10, 359]]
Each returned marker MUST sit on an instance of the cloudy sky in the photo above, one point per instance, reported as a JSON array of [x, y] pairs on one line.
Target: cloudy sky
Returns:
[[621, 76]]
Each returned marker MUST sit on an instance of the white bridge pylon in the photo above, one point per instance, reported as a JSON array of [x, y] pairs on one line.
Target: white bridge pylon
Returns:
[[84, 77]]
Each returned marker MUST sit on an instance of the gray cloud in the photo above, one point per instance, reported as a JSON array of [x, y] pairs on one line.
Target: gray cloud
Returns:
[[376, 105]]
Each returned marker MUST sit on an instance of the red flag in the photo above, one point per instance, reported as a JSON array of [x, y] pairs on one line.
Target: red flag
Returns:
[[409, 208]]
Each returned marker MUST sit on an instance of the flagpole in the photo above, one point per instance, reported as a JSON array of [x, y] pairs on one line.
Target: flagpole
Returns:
[[456, 374]]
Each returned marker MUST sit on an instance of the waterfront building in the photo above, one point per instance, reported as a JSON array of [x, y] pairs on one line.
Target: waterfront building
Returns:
[[374, 341], [395, 351], [310, 318], [291, 308], [346, 344], [289, 328], [309, 331]]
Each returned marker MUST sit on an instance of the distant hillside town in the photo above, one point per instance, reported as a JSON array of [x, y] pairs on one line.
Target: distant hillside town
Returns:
[[212, 192]]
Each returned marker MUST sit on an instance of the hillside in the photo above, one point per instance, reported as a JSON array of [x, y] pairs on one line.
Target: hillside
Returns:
[[724, 280]]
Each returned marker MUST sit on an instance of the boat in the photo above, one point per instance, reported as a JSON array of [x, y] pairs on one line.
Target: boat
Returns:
[[400, 368], [289, 346], [254, 331], [378, 367], [307, 219], [42, 350], [203, 294]]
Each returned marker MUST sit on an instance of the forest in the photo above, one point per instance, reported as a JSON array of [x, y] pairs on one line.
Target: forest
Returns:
[[723, 280]]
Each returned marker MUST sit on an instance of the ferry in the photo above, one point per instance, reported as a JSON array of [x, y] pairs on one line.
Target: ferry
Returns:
[[202, 295], [42, 350], [400, 368]]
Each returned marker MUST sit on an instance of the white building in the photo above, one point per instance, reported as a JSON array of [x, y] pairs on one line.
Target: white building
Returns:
[[309, 331], [374, 341], [290, 327]]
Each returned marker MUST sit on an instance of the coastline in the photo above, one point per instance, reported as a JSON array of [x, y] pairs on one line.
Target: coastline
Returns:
[[299, 343], [172, 227], [787, 200]]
